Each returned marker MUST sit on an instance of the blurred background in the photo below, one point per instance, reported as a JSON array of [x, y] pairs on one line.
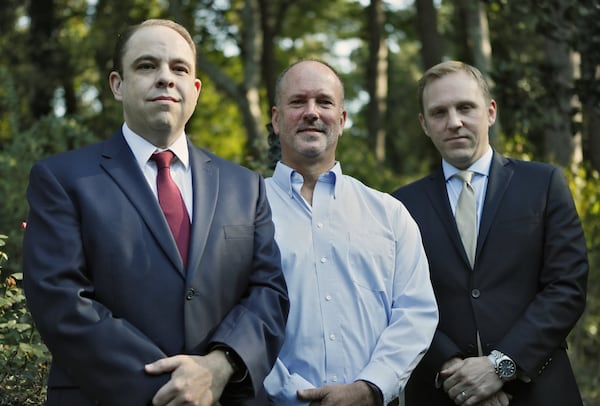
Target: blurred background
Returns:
[[542, 58]]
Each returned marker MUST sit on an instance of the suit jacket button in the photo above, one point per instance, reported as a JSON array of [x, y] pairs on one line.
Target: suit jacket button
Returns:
[[190, 294], [475, 293]]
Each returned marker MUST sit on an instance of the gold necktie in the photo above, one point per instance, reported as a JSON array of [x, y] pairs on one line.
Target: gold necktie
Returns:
[[466, 215]]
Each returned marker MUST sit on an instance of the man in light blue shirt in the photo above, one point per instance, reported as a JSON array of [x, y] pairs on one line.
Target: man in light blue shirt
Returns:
[[362, 309]]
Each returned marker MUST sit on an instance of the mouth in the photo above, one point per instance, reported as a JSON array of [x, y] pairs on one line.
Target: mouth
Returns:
[[458, 138], [310, 130], [164, 99]]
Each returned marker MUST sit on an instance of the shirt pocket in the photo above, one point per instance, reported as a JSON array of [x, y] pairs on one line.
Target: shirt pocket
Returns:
[[371, 260]]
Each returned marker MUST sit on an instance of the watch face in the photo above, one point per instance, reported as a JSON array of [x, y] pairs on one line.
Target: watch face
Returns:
[[506, 368]]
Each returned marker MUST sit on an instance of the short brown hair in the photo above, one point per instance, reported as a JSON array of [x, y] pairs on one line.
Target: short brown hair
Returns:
[[444, 68], [126, 35]]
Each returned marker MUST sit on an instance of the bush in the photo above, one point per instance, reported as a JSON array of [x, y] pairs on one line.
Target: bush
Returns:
[[23, 356]]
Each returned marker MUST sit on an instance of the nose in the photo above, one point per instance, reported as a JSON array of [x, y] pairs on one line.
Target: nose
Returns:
[[454, 119], [310, 111], [165, 77]]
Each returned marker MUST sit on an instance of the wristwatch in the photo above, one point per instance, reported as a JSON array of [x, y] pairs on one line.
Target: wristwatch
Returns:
[[505, 367]]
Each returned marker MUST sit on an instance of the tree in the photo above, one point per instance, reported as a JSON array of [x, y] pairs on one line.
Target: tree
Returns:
[[427, 26], [377, 78]]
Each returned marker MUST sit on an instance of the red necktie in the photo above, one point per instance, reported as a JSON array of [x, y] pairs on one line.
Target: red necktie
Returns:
[[171, 203]]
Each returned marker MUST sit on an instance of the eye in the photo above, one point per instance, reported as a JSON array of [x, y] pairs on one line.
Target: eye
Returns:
[[438, 113], [145, 66], [181, 69], [465, 108]]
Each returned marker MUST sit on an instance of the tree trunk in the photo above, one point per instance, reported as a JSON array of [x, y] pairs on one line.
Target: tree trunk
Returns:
[[252, 49], [558, 139], [431, 41], [377, 78], [42, 51], [478, 36], [590, 75]]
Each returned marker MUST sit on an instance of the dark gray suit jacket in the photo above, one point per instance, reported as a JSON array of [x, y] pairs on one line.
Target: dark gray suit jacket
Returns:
[[527, 288], [107, 287]]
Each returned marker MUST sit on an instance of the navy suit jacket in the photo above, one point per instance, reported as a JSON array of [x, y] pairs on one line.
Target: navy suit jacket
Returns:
[[526, 290], [108, 290]]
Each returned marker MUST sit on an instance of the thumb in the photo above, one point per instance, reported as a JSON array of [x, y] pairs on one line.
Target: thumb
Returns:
[[163, 365], [310, 394]]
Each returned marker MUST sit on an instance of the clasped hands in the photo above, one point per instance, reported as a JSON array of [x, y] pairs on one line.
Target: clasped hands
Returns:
[[355, 393], [195, 380], [473, 381]]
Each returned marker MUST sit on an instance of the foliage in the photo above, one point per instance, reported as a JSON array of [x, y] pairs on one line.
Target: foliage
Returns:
[[23, 356], [585, 339]]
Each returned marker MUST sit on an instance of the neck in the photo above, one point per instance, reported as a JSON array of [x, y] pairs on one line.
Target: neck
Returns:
[[310, 171]]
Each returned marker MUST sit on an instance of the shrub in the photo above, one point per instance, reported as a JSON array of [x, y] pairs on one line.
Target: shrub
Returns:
[[23, 356]]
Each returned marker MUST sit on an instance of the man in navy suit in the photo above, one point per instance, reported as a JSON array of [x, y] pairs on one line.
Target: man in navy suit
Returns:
[[505, 313], [129, 318]]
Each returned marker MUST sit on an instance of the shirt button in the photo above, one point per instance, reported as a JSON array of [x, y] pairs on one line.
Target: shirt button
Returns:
[[190, 294], [475, 293], [334, 378], [319, 225], [332, 337], [328, 298], [323, 260]]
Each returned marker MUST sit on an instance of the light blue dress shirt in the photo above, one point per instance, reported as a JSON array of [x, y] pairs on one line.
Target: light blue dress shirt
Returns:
[[361, 302]]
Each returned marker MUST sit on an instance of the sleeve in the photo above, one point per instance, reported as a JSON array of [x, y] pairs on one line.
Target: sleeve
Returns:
[[562, 281], [103, 354], [414, 315], [281, 386], [255, 328]]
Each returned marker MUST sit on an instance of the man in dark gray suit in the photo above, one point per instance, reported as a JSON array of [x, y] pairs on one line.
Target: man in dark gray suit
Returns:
[[135, 309], [510, 290]]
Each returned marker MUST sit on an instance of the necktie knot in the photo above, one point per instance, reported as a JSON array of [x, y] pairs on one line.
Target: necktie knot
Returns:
[[465, 176], [163, 159]]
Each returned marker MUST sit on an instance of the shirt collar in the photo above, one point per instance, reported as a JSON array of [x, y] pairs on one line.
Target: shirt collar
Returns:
[[142, 149], [286, 176], [481, 166]]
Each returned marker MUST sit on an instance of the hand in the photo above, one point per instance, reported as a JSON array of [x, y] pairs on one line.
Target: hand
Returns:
[[355, 393], [471, 381], [499, 398], [195, 380]]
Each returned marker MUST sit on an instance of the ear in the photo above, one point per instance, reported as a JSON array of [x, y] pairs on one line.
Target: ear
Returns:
[[343, 118], [492, 111], [275, 120], [115, 81], [423, 124]]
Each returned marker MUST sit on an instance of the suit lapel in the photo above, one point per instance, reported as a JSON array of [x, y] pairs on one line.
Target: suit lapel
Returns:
[[118, 161], [500, 174], [205, 181], [438, 196]]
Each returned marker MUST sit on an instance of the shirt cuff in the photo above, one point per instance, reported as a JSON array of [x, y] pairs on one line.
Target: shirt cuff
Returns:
[[377, 394]]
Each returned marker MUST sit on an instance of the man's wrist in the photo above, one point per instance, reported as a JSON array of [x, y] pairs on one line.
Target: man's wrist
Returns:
[[504, 366], [376, 393], [237, 365]]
